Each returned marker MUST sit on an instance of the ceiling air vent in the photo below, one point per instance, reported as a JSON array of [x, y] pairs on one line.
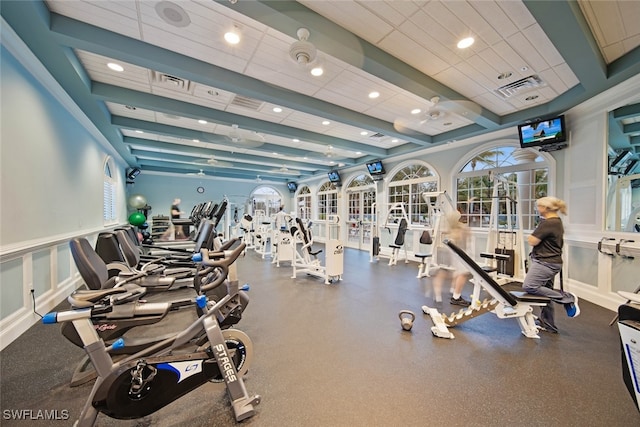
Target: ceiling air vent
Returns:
[[172, 82], [519, 86], [248, 103]]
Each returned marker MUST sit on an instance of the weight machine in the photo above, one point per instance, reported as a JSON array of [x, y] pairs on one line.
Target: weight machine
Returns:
[[284, 244], [396, 214], [263, 234], [305, 260], [439, 205], [505, 246]]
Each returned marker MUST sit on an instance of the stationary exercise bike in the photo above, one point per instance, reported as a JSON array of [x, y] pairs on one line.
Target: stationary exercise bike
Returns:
[[148, 380], [113, 323]]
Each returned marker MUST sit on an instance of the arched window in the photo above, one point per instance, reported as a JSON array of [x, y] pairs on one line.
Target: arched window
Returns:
[[109, 193], [266, 199], [407, 185], [505, 174], [303, 204], [327, 200]]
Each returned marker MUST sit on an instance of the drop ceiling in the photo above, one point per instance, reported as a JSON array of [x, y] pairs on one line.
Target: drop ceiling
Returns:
[[187, 101]]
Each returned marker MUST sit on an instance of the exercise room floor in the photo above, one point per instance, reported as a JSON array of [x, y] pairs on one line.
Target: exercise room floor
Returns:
[[335, 355]]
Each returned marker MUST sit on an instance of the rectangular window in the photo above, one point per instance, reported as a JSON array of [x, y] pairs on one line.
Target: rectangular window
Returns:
[[304, 207], [327, 205]]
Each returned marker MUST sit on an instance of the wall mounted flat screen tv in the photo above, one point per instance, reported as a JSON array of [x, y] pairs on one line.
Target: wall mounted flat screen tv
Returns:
[[375, 167], [292, 186], [334, 176], [542, 132]]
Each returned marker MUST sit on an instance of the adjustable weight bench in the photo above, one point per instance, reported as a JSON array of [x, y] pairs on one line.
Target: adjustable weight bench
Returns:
[[505, 305]]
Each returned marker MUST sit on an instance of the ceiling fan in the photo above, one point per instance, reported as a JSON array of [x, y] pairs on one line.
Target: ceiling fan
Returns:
[[459, 112], [329, 153], [211, 161], [302, 51], [285, 171], [245, 138]]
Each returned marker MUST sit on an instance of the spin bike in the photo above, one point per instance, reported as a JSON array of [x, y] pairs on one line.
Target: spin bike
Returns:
[[150, 379]]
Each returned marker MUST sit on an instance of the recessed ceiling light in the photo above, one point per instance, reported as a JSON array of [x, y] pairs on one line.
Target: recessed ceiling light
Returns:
[[202, 122], [277, 110], [295, 140], [465, 43], [317, 71], [394, 140], [213, 92], [139, 131], [130, 107], [374, 95], [195, 140], [326, 122], [531, 98], [447, 124], [115, 67], [364, 133], [505, 75], [416, 111], [358, 152], [232, 36]]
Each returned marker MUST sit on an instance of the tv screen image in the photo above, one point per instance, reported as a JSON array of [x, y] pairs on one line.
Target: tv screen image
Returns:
[[334, 176], [375, 167], [542, 132]]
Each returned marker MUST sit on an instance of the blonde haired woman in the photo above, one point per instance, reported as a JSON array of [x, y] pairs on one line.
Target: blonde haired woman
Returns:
[[546, 261]]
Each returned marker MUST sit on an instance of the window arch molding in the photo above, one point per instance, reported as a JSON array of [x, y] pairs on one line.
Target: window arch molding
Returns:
[[366, 182], [546, 167], [267, 199], [409, 189], [551, 162]]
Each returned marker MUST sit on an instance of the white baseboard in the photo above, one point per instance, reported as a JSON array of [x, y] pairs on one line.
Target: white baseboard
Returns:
[[20, 321]]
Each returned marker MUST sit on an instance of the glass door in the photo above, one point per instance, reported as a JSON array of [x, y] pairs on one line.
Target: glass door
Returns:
[[359, 218]]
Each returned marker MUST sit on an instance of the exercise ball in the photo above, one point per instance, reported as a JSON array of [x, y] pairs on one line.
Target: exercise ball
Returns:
[[137, 201], [137, 219]]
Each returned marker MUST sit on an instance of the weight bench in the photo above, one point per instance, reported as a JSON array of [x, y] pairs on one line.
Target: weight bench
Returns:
[[505, 305]]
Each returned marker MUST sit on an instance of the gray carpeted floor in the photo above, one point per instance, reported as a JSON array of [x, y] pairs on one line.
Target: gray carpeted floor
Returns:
[[335, 355]]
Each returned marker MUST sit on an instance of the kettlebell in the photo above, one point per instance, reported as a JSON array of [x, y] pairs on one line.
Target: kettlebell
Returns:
[[406, 319]]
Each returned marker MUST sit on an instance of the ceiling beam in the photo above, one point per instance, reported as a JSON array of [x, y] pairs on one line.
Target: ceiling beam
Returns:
[[201, 152], [84, 36], [165, 149], [288, 16], [190, 134], [124, 96], [191, 173], [627, 112], [236, 167]]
